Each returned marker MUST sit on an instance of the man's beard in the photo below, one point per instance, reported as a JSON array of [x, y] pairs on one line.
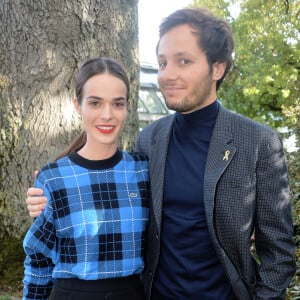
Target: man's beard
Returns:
[[194, 100]]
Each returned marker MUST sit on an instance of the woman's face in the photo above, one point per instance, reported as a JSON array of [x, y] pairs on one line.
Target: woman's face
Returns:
[[103, 110]]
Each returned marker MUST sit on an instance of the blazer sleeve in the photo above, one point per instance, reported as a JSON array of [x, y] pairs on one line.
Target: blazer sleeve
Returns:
[[273, 225]]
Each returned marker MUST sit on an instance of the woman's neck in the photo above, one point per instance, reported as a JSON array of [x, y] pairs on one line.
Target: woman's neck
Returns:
[[97, 153]]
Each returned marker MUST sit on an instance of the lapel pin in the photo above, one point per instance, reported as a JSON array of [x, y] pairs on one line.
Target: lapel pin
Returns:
[[226, 155]]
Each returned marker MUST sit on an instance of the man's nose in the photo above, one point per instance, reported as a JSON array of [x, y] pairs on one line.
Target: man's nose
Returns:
[[168, 73]]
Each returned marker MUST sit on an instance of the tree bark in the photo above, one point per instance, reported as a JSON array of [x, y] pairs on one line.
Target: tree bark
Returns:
[[43, 44]]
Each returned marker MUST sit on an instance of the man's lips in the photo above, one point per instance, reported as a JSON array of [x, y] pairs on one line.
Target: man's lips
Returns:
[[106, 129], [171, 87], [171, 90]]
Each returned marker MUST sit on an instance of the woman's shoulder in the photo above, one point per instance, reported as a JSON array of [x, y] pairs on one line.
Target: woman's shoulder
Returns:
[[53, 168]]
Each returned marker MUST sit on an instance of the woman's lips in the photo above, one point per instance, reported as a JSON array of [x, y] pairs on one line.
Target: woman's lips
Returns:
[[106, 129]]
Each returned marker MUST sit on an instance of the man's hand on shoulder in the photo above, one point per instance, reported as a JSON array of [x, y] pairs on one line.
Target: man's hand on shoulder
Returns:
[[35, 201]]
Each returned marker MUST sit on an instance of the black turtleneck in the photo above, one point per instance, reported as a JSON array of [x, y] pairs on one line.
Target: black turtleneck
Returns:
[[186, 245]]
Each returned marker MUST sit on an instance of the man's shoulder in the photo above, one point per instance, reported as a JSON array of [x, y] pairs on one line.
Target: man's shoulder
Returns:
[[158, 126], [153, 133], [238, 121]]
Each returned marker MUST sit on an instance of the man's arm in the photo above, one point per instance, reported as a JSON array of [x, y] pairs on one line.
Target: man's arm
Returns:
[[35, 201], [274, 226]]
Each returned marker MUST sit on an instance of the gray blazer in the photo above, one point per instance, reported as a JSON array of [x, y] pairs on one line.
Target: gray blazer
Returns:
[[245, 189]]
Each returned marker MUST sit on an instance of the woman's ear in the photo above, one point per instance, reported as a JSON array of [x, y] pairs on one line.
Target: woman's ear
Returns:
[[77, 106], [218, 70]]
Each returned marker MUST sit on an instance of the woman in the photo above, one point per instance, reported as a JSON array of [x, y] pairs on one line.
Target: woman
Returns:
[[88, 242]]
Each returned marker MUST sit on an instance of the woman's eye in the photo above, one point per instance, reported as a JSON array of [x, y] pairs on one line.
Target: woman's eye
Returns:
[[119, 104]]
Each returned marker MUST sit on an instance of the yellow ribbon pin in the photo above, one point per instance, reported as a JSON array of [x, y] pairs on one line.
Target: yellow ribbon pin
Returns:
[[226, 155]]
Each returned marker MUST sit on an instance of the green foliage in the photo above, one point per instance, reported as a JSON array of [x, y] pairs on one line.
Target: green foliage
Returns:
[[265, 77], [219, 8]]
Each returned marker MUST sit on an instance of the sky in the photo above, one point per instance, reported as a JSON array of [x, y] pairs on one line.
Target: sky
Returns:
[[151, 12]]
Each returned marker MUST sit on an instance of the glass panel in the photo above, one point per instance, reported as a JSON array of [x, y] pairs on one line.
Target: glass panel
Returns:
[[151, 102]]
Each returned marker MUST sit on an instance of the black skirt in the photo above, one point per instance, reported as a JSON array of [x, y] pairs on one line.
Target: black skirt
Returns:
[[123, 288]]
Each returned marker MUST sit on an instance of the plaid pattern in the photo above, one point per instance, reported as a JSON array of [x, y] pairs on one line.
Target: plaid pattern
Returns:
[[94, 224]]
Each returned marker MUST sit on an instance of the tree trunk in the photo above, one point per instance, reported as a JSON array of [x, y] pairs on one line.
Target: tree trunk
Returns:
[[43, 44]]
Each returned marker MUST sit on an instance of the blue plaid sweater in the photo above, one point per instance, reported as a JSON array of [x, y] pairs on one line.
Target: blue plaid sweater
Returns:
[[93, 226]]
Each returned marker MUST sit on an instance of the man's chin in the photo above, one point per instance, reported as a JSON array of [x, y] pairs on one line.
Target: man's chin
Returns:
[[178, 108], [173, 106]]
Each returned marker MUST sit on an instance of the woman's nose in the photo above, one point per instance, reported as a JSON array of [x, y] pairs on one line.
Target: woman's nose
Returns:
[[106, 111]]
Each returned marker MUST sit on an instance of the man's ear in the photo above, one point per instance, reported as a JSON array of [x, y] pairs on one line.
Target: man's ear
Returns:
[[218, 70], [77, 106]]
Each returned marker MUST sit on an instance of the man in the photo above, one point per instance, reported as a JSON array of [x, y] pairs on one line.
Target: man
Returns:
[[216, 178]]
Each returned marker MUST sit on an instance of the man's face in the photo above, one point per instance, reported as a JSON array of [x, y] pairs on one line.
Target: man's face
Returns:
[[184, 75]]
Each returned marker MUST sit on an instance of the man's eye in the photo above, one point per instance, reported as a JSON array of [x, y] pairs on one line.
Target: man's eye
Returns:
[[94, 103], [184, 61], [162, 64]]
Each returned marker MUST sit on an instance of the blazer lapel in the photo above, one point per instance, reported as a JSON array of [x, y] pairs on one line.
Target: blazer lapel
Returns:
[[157, 165], [219, 156]]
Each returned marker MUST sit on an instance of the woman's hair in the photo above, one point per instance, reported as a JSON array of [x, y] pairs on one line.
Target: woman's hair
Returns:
[[92, 67], [96, 66], [214, 35]]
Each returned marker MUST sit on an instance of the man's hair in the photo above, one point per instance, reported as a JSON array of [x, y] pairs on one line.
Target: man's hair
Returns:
[[214, 35]]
